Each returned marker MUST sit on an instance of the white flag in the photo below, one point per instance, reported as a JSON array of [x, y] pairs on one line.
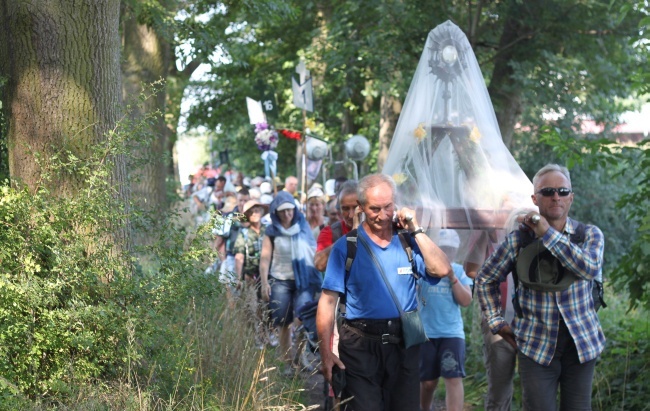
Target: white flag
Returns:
[[255, 112]]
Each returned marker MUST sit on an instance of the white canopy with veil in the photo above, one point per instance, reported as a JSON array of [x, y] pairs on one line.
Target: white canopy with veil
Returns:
[[447, 155]]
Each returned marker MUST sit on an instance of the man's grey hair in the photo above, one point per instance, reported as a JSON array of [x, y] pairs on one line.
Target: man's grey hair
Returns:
[[374, 180], [332, 205], [347, 188], [549, 168]]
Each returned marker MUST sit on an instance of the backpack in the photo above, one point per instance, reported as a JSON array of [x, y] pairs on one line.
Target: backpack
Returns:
[[351, 242], [578, 237], [337, 231]]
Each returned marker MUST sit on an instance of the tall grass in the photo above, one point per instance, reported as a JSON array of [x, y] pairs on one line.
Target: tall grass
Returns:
[[212, 364], [221, 369]]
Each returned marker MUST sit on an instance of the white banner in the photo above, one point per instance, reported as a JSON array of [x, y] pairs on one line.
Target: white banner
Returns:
[[255, 112]]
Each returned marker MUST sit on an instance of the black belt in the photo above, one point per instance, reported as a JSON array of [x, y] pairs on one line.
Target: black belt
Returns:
[[384, 338], [378, 327]]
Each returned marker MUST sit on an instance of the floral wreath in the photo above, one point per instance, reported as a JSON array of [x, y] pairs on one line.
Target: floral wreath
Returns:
[[266, 137]]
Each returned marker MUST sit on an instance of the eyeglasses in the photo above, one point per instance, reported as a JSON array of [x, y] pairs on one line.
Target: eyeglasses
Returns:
[[550, 191]]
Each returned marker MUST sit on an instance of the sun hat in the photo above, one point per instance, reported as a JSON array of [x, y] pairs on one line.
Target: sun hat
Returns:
[[266, 188], [229, 204], [254, 203], [539, 270], [315, 192]]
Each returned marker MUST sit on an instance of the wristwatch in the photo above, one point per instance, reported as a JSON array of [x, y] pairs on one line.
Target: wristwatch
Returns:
[[417, 231]]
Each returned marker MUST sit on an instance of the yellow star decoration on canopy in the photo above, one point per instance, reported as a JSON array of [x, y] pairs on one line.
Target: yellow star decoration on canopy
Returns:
[[475, 135], [399, 178], [420, 133]]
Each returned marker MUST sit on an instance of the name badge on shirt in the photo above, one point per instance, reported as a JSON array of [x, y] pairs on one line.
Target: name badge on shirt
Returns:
[[405, 270]]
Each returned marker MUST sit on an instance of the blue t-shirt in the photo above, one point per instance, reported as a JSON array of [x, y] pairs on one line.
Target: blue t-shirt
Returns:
[[367, 294], [439, 311]]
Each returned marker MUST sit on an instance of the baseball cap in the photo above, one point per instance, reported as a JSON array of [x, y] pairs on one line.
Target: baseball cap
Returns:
[[285, 206], [448, 238]]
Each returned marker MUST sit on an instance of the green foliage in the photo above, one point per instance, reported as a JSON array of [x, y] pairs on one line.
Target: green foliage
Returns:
[[623, 369], [58, 325], [574, 59], [87, 322]]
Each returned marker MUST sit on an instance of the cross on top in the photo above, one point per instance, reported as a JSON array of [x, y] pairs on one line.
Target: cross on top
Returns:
[[302, 71]]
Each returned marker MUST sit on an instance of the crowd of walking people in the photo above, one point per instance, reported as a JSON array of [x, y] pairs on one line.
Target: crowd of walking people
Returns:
[[367, 264]]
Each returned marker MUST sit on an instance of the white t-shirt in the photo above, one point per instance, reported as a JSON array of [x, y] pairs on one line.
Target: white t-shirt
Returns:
[[281, 267]]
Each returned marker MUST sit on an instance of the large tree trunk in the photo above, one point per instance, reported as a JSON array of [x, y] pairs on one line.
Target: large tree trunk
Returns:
[[505, 91], [62, 63], [390, 108], [145, 61], [61, 59]]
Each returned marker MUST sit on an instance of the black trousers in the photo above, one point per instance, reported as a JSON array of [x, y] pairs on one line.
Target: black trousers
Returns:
[[379, 377]]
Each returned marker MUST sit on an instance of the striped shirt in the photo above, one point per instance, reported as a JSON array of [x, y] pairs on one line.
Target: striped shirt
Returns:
[[536, 332]]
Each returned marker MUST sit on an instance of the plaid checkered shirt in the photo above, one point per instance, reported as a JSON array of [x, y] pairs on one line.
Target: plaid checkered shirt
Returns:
[[537, 330]]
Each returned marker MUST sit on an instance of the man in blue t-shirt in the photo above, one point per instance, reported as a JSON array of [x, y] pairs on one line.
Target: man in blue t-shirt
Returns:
[[380, 373], [444, 354]]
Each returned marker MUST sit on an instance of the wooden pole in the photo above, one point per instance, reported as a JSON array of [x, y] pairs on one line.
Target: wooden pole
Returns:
[[304, 157]]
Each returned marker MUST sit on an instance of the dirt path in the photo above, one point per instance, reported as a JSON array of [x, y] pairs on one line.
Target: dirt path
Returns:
[[314, 385]]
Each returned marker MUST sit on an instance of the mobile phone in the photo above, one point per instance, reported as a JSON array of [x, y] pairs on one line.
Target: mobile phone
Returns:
[[338, 381]]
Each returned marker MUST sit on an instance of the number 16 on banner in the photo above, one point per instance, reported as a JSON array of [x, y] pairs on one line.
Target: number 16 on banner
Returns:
[[303, 95]]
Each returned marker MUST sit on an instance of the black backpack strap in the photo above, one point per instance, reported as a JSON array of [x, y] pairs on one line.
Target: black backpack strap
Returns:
[[406, 245], [351, 241], [579, 236], [337, 231], [597, 291]]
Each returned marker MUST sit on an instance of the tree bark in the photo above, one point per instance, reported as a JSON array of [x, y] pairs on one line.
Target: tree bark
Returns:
[[505, 91], [389, 114], [145, 61], [61, 61]]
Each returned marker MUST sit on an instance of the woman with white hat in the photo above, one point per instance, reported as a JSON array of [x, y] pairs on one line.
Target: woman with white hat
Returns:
[[316, 210]]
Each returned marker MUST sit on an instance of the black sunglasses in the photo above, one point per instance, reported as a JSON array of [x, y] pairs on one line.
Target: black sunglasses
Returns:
[[550, 191]]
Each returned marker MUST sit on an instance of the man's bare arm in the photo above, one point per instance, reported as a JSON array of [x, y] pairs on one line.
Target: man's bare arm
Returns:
[[325, 318]]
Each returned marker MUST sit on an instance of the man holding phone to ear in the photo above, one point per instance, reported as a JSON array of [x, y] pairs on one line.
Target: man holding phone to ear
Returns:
[[380, 373]]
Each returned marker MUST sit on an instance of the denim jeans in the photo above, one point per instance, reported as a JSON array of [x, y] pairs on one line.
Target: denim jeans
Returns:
[[285, 300], [540, 383]]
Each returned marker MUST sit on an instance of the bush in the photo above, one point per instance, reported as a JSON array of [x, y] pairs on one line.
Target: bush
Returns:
[[89, 322]]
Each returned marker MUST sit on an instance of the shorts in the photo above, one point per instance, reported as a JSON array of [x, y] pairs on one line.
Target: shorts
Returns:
[[442, 357], [285, 299]]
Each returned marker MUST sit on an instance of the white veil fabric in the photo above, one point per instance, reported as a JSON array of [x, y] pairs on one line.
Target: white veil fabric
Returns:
[[447, 155]]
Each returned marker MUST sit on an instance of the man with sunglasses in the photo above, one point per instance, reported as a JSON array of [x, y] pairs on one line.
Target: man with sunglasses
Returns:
[[556, 331]]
